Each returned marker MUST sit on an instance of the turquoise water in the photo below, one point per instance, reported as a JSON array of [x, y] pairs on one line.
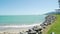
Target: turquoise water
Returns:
[[21, 19]]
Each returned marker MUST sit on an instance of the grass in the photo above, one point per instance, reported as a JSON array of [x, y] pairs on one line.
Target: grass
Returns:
[[56, 26]]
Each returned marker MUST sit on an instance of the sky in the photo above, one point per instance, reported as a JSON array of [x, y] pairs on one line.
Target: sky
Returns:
[[27, 7]]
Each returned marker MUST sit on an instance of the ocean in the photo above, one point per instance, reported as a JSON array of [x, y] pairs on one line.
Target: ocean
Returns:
[[8, 22], [21, 19]]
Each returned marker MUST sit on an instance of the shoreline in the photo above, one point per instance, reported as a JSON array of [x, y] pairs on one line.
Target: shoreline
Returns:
[[34, 28], [19, 26]]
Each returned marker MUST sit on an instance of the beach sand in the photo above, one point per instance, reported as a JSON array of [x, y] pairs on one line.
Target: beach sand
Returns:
[[14, 31], [18, 29]]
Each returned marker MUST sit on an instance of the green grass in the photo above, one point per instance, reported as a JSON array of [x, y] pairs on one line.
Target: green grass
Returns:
[[56, 26]]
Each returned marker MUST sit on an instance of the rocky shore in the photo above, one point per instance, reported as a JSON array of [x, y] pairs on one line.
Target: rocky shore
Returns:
[[39, 28]]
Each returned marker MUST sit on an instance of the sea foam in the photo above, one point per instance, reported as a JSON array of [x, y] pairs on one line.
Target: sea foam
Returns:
[[19, 26]]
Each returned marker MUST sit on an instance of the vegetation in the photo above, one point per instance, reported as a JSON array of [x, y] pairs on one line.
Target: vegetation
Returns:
[[56, 26]]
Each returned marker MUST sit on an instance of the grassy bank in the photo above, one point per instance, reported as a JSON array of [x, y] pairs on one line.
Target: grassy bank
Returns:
[[56, 26]]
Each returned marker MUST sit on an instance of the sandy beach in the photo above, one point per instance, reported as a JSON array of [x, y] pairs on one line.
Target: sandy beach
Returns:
[[16, 29]]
